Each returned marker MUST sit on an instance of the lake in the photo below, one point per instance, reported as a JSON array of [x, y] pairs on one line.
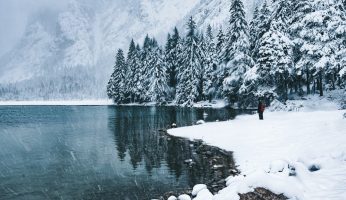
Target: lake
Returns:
[[101, 152]]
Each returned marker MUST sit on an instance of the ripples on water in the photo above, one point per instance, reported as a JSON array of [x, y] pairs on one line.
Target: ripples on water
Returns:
[[99, 152]]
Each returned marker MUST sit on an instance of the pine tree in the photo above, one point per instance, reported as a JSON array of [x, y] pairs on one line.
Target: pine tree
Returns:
[[131, 65], [318, 41], [134, 82], [219, 73], [189, 78], [237, 28], [172, 52], [159, 89], [275, 63], [210, 62], [146, 67], [116, 84], [237, 52], [220, 43], [260, 25]]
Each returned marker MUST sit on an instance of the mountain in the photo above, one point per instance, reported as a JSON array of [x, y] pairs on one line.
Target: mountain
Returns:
[[70, 54]]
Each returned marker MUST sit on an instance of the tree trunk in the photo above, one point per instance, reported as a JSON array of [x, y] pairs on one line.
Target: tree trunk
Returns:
[[308, 82], [338, 77], [321, 84]]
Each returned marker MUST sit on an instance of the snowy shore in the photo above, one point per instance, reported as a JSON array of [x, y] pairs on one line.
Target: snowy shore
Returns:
[[300, 154]]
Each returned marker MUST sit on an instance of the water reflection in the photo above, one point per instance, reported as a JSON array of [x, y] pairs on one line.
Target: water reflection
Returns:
[[136, 136], [98, 152]]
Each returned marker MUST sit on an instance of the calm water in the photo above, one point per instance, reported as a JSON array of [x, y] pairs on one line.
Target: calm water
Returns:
[[98, 152]]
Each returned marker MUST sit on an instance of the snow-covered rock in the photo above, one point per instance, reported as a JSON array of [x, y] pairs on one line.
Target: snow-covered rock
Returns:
[[198, 188], [199, 122], [184, 197], [204, 194], [172, 198]]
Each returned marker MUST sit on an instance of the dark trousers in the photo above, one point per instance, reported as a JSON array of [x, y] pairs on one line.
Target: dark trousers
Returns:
[[260, 114]]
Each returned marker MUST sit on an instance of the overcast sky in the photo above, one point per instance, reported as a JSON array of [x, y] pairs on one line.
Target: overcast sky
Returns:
[[14, 15]]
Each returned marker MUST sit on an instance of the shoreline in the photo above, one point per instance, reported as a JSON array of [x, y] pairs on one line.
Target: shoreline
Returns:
[[288, 153], [215, 154], [107, 102]]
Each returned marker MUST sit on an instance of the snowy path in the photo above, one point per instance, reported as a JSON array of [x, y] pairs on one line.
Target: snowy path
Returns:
[[264, 148]]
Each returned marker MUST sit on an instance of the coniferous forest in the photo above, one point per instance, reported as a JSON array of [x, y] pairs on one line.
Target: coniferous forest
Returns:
[[290, 48]]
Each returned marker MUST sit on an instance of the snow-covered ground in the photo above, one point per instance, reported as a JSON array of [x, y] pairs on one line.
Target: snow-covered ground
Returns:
[[301, 154], [58, 103]]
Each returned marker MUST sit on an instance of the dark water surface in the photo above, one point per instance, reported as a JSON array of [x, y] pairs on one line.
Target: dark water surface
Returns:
[[98, 152]]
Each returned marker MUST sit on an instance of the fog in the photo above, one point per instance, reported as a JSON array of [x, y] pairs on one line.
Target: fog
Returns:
[[14, 15]]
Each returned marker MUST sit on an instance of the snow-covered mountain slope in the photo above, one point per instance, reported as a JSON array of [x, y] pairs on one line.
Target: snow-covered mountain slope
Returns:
[[71, 55]]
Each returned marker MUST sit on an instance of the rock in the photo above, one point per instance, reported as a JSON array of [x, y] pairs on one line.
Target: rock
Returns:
[[197, 188], [172, 198], [217, 166], [174, 125], [208, 153], [184, 197], [263, 194], [344, 115], [314, 168]]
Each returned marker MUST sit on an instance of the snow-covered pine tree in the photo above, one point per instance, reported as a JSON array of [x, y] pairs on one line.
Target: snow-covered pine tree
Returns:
[[335, 71], [116, 84], [131, 69], [302, 72], [140, 77], [189, 77], [236, 57], [220, 43], [172, 52], [133, 82], [275, 55], [210, 62], [253, 27], [158, 89], [146, 62], [318, 40], [259, 26]]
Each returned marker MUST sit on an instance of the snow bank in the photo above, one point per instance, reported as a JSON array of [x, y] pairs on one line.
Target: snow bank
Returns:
[[58, 103], [300, 154], [212, 104], [310, 103]]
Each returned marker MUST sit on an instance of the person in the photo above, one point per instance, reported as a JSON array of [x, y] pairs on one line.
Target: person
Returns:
[[260, 109]]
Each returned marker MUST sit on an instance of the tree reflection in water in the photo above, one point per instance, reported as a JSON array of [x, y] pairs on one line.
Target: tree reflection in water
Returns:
[[137, 135]]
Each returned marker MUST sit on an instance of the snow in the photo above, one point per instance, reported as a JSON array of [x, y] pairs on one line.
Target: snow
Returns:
[[58, 103], [197, 188], [172, 198], [280, 152], [204, 194], [213, 104], [184, 197]]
